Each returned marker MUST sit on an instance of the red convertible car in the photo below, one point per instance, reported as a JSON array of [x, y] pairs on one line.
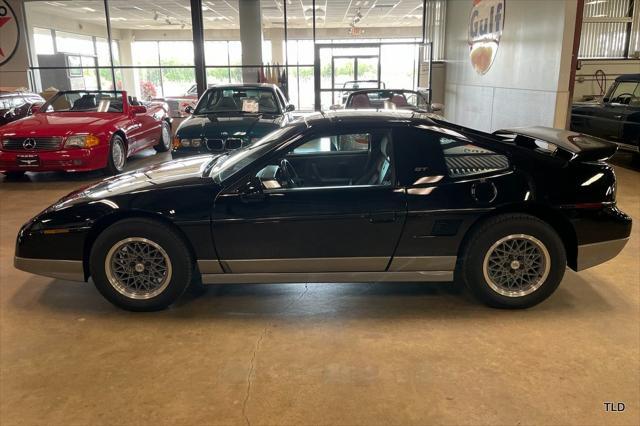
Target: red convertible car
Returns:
[[81, 131]]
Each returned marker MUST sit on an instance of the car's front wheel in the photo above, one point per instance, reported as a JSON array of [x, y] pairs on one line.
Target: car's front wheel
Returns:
[[164, 144], [513, 261], [117, 156], [140, 265]]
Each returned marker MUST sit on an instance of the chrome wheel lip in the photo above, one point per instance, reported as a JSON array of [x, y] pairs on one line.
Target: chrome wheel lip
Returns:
[[532, 287], [118, 155], [123, 288]]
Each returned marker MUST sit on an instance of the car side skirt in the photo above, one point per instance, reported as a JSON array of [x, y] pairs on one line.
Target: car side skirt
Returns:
[[71, 270], [596, 253], [328, 277]]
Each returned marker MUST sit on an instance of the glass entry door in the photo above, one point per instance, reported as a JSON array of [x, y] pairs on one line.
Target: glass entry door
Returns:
[[341, 69]]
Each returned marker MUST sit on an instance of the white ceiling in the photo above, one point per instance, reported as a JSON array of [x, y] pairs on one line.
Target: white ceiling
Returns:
[[176, 14]]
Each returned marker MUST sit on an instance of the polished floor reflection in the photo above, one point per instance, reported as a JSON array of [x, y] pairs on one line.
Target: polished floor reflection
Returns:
[[315, 354]]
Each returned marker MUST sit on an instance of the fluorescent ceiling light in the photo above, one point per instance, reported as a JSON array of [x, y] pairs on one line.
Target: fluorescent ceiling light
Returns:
[[88, 9], [56, 3], [592, 2]]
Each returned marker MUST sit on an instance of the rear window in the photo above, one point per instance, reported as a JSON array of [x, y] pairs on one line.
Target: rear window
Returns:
[[465, 159]]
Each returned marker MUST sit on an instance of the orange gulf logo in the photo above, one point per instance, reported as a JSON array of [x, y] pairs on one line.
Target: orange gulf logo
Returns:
[[485, 30]]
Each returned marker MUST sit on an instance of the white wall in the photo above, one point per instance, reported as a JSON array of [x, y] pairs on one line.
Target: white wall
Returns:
[[528, 83]]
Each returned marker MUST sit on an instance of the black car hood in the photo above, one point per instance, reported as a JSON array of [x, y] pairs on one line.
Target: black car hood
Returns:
[[223, 126], [176, 173]]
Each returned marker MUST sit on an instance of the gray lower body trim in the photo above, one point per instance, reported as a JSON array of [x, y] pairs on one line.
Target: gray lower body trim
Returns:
[[309, 264], [71, 270], [210, 267], [328, 277], [422, 263], [596, 253]]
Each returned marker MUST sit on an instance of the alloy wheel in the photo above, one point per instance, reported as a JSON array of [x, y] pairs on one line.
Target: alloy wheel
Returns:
[[118, 154], [138, 268], [516, 265]]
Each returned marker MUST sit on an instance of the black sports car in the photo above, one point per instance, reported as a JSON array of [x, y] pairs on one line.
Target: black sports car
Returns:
[[231, 116], [616, 118], [347, 196], [16, 105]]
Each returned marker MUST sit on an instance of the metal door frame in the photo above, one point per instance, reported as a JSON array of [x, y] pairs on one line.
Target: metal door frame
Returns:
[[317, 69]]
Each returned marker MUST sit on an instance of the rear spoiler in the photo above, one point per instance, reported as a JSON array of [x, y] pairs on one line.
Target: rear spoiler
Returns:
[[569, 145]]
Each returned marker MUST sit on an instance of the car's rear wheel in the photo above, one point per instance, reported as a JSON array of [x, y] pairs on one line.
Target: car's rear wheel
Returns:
[[140, 265], [513, 261], [117, 156], [164, 144]]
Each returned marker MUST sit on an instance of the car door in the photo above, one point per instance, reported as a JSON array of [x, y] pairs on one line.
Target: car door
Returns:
[[449, 183], [352, 226]]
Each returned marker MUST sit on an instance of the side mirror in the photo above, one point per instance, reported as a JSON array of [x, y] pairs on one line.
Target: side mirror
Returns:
[[251, 191], [188, 109], [138, 109], [233, 143], [35, 108], [290, 107], [335, 107]]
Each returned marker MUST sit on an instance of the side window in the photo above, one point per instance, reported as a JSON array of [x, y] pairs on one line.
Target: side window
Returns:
[[353, 159], [338, 143], [465, 159]]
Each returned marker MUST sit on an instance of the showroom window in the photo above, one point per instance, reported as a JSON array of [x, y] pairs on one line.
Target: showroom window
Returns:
[[610, 29], [146, 48]]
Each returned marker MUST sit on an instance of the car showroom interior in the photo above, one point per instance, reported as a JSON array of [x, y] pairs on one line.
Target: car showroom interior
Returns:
[[319, 212]]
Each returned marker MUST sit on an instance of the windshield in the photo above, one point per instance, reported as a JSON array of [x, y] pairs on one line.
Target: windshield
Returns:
[[228, 165], [238, 100], [81, 101], [387, 99]]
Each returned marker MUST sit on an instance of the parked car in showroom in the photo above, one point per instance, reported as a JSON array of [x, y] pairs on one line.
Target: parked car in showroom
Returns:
[[348, 196], [387, 99], [616, 118], [17, 104], [178, 104], [231, 116], [83, 130]]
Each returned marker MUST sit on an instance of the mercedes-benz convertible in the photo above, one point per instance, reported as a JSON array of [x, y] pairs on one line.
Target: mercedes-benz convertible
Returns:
[[346, 196]]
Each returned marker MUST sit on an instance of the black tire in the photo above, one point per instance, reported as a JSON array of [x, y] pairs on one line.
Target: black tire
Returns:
[[14, 175], [115, 167], [179, 266], [512, 229], [164, 144]]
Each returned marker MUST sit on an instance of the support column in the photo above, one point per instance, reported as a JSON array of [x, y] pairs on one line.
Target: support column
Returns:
[[251, 38]]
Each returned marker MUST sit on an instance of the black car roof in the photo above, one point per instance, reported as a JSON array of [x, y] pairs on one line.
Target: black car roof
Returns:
[[628, 77], [369, 116]]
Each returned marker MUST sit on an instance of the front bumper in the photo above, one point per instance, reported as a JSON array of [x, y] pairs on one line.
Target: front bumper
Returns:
[[71, 270], [71, 160]]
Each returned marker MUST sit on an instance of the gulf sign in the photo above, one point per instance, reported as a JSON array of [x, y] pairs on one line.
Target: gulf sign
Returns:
[[485, 30], [9, 32]]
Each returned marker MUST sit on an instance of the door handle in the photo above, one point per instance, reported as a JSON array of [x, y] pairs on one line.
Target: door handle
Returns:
[[382, 217]]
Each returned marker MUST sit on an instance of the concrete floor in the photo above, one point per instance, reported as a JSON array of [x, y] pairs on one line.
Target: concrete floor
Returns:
[[317, 354]]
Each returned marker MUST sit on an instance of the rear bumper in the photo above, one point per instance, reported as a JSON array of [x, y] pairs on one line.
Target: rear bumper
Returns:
[[71, 270], [596, 253], [72, 160]]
